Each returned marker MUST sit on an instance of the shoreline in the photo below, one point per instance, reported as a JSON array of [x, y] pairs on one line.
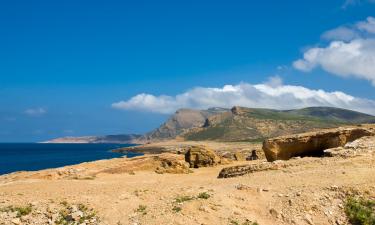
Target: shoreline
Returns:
[[33, 157]]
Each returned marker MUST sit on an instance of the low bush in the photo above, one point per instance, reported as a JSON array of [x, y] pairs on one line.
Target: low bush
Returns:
[[360, 211]]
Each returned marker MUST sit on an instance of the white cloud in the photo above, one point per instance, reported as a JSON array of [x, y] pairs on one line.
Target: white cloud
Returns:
[[368, 25], [274, 81], [266, 95], [341, 33], [351, 53], [35, 111]]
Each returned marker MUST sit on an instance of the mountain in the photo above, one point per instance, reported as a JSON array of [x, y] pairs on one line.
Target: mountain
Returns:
[[180, 122], [337, 114], [252, 124], [236, 124], [116, 139]]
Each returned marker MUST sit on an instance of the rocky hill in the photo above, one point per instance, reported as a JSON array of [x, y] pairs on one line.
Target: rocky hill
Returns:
[[180, 122], [249, 124], [237, 124], [117, 139]]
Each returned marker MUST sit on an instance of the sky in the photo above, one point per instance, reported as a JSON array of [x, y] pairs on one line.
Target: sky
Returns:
[[74, 68]]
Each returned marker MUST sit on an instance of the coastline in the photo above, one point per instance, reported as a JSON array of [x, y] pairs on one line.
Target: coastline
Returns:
[[116, 188], [38, 156]]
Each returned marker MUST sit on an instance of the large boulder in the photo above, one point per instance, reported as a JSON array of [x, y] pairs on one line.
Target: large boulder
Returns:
[[172, 163], [312, 143], [201, 156]]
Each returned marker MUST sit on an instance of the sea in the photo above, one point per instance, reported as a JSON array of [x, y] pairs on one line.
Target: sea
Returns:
[[37, 156]]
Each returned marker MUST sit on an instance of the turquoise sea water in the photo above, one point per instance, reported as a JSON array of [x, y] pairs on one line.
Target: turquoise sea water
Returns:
[[33, 156]]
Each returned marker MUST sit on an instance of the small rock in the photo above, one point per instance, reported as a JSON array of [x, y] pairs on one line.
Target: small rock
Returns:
[[77, 215], [308, 219], [242, 187], [334, 187], [203, 209], [16, 221], [274, 213]]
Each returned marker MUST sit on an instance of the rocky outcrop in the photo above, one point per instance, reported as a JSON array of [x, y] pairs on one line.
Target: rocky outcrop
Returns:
[[235, 171], [171, 163], [362, 146], [253, 156], [312, 143], [182, 120], [160, 163], [201, 156], [239, 156]]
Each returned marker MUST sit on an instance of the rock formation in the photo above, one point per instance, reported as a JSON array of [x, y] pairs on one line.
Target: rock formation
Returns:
[[235, 171], [200, 156], [362, 146], [171, 163], [311, 143], [181, 121], [239, 156]]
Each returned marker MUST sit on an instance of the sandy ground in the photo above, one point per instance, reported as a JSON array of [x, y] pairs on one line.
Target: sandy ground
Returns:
[[310, 191]]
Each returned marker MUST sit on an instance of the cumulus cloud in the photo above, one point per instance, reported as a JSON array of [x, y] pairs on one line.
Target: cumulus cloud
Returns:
[[351, 53], [270, 94], [368, 25], [35, 111]]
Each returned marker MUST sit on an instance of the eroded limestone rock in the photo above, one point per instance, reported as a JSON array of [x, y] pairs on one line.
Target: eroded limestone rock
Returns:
[[235, 171], [171, 163], [201, 156], [311, 143]]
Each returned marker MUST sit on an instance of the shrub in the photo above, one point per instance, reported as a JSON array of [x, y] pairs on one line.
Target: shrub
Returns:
[[204, 195], [142, 209], [177, 209], [185, 198], [360, 211], [20, 210]]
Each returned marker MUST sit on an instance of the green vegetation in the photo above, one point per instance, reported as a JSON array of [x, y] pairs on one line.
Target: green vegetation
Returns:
[[140, 192], [360, 211], [247, 222], [176, 209], [204, 195], [65, 215], [20, 210], [255, 125], [186, 198], [142, 209], [64, 203], [181, 199]]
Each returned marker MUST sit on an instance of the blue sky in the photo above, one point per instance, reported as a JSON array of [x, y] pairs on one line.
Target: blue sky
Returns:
[[73, 68]]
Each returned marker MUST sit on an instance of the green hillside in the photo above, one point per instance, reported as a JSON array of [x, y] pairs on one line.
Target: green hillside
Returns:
[[248, 124]]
